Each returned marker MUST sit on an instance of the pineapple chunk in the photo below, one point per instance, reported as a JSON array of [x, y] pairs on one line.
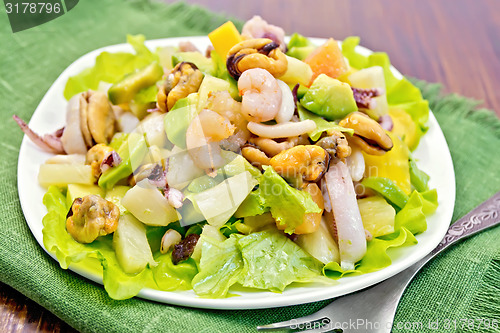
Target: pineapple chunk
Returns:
[[64, 174], [148, 205], [131, 245], [377, 215], [224, 38], [297, 72], [79, 191], [371, 78], [393, 164], [368, 78], [320, 244]]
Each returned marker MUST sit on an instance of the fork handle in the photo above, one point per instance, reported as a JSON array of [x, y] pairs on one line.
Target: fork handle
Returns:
[[484, 216]]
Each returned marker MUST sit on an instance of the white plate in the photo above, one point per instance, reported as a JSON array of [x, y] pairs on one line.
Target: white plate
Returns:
[[433, 156]]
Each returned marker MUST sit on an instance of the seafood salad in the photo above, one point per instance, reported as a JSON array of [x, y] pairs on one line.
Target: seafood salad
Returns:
[[256, 163]]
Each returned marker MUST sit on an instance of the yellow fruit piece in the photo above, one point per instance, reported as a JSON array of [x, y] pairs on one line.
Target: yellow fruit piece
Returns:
[[404, 127], [224, 38], [377, 215], [393, 164]]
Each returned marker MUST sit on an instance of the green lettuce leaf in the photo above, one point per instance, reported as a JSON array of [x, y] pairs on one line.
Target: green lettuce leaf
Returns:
[[299, 47], [230, 227], [297, 40], [376, 256], [287, 205], [221, 265], [356, 59], [322, 125], [413, 215], [272, 261], [430, 201], [251, 206], [111, 67], [403, 91], [96, 258], [170, 277], [418, 111]]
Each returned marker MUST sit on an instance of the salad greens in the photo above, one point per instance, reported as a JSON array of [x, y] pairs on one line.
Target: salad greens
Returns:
[[220, 267], [257, 226], [272, 261], [111, 67], [287, 204]]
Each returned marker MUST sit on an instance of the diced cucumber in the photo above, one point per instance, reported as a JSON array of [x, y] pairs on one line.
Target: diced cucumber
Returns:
[[64, 174], [80, 190], [377, 215], [148, 205], [131, 245]]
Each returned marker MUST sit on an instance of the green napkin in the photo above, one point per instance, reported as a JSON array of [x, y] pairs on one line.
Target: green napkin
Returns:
[[461, 284]]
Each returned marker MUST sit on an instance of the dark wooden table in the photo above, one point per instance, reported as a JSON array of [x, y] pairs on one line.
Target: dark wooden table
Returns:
[[454, 42]]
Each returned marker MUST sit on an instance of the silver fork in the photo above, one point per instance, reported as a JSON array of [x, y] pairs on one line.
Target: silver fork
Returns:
[[372, 309]]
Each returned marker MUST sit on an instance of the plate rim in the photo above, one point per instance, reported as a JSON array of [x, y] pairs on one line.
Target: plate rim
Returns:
[[270, 300]]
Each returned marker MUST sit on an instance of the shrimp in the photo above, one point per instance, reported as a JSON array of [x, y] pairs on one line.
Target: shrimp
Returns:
[[49, 142], [222, 103], [203, 136], [261, 95]]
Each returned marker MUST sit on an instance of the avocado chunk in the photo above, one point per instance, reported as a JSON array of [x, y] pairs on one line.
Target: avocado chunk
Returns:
[[125, 90], [329, 98]]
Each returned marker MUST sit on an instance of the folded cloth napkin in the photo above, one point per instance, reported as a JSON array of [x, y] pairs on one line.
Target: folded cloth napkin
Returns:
[[461, 284]]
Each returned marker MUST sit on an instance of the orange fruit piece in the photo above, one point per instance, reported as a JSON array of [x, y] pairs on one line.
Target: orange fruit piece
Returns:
[[327, 59]]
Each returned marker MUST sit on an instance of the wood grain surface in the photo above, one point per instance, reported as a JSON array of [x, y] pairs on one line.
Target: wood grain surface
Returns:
[[453, 42]]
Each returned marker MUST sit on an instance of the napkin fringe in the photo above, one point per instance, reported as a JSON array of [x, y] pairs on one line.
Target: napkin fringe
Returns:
[[485, 303]]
